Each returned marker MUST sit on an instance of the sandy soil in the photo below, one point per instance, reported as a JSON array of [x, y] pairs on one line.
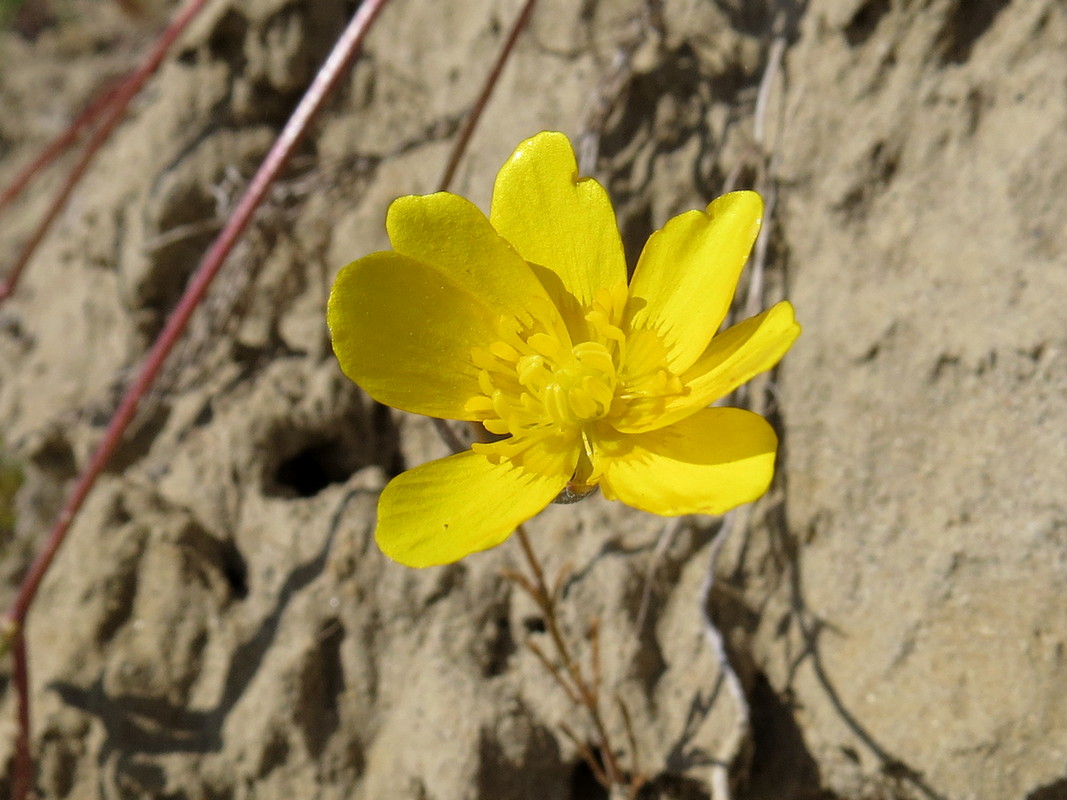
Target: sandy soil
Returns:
[[220, 624]]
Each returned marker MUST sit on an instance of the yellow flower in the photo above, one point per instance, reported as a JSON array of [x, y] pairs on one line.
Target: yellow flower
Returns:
[[525, 323]]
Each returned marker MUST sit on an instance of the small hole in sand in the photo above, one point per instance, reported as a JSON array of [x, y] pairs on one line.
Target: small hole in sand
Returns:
[[316, 466]]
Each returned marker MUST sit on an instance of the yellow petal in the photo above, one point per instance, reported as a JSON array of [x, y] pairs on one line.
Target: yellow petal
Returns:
[[404, 332], [710, 462], [734, 357], [447, 509], [453, 235], [557, 220], [687, 274]]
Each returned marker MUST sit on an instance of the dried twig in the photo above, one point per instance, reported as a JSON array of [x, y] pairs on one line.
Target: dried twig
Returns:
[[335, 66], [113, 106], [756, 401], [554, 670], [587, 755], [583, 692], [479, 105], [444, 430], [638, 779]]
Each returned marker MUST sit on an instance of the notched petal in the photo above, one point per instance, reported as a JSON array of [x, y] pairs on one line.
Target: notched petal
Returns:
[[733, 358], [688, 271], [452, 235], [556, 219]]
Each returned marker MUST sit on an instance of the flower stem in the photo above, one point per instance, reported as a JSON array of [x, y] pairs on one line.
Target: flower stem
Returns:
[[586, 692]]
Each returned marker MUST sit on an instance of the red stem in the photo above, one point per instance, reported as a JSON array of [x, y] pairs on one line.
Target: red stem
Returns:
[[22, 766], [458, 150], [60, 143], [334, 67], [479, 105], [115, 105]]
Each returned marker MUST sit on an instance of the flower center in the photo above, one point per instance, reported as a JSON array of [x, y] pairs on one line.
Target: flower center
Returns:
[[539, 382], [533, 381], [573, 390]]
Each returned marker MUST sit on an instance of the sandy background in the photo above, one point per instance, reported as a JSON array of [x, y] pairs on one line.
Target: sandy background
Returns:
[[220, 624]]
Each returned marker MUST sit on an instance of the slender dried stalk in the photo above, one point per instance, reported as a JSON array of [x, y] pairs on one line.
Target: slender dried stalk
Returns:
[[487, 90], [631, 737], [22, 772], [554, 670], [763, 157], [582, 692], [587, 755], [114, 108], [448, 436], [333, 68], [60, 144]]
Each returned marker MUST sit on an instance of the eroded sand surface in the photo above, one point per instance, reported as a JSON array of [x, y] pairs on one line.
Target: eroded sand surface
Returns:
[[220, 624]]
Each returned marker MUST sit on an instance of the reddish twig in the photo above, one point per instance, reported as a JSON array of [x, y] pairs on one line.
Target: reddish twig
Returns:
[[22, 772], [454, 443], [61, 143], [487, 90], [332, 69], [584, 693], [588, 756], [114, 104]]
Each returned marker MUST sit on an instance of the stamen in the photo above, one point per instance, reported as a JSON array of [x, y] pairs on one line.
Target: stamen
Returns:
[[497, 427], [599, 391], [582, 405], [504, 351], [478, 405], [528, 370], [555, 403], [545, 345], [532, 377]]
